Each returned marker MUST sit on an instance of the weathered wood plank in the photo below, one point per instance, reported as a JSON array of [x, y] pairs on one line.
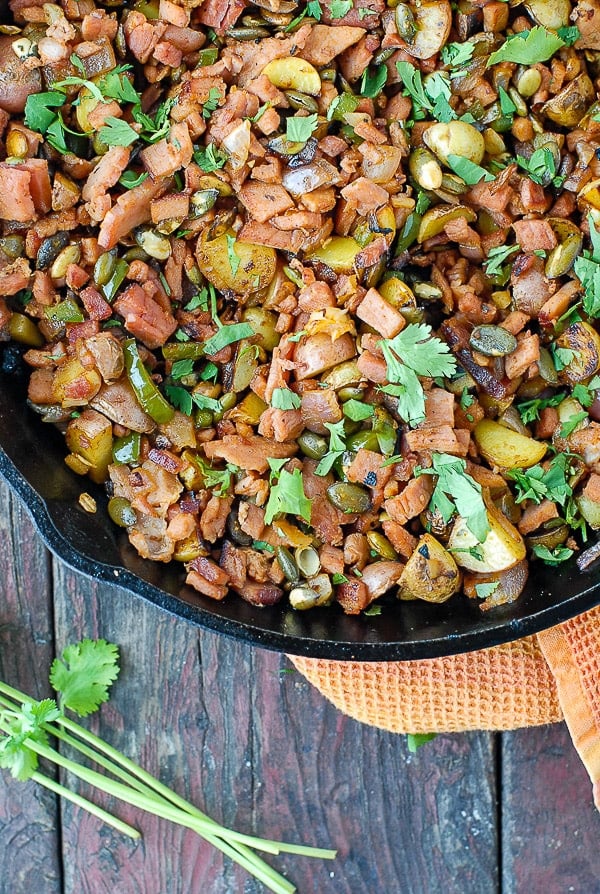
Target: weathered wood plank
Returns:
[[262, 751], [29, 850], [550, 828]]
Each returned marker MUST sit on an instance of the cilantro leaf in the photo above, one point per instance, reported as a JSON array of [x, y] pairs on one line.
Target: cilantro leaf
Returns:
[[227, 335], [528, 47], [129, 179], [182, 368], [116, 132], [414, 352], [210, 158], [15, 754], [456, 490], [571, 423], [339, 8], [470, 172], [83, 674], [537, 483], [285, 399], [211, 104], [357, 410], [287, 496], [455, 55], [39, 113], [529, 410], [541, 167], [232, 255], [484, 590], [497, 256], [337, 446], [299, 129], [552, 556], [416, 740], [507, 106], [587, 269], [373, 81], [413, 84], [313, 8], [569, 35], [180, 398]]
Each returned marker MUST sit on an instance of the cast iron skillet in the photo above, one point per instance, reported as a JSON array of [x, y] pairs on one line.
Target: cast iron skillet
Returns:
[[31, 461]]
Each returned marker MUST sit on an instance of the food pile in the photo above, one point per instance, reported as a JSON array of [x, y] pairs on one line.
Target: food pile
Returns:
[[314, 290]]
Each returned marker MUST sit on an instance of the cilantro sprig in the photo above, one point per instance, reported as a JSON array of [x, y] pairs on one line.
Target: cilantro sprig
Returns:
[[528, 47], [287, 493], [587, 269], [412, 353], [82, 677], [455, 492]]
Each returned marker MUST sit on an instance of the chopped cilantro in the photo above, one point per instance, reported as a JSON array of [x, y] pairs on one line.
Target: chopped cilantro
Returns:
[[129, 179], [198, 301], [337, 446], [552, 556], [529, 410], [528, 47], [39, 109], [211, 103], [373, 81], [587, 269], [541, 167], [468, 171], [227, 335], [457, 491], [372, 611], [232, 255], [538, 483], [570, 424], [562, 356], [455, 55], [210, 158], [569, 35], [182, 368], [339, 8], [116, 132], [299, 129], [179, 397], [287, 495], [338, 578], [497, 256], [486, 589], [357, 410], [507, 106], [414, 352], [285, 399]]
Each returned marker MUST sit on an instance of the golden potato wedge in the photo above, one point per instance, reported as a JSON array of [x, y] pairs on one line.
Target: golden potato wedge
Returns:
[[294, 74], [430, 574], [506, 448], [584, 342], [339, 253], [552, 14], [435, 219], [502, 548], [432, 21], [256, 268]]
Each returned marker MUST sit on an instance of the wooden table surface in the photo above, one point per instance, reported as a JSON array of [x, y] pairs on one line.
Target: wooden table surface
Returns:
[[241, 734]]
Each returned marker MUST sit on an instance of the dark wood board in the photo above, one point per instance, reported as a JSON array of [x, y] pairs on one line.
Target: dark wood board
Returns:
[[249, 741], [550, 827], [29, 832]]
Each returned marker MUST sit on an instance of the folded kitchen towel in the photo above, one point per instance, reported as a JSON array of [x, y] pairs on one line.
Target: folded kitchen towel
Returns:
[[552, 676]]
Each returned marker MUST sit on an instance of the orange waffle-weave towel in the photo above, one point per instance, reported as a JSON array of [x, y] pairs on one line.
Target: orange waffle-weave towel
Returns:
[[540, 679]]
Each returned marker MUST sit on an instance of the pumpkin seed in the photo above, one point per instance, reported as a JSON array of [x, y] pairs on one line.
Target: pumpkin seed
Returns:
[[405, 23], [381, 545], [562, 257], [235, 531], [252, 33], [299, 100], [302, 598], [349, 498], [492, 341], [425, 168], [203, 200], [312, 445], [104, 268], [69, 255], [307, 560], [50, 248], [153, 244], [287, 564]]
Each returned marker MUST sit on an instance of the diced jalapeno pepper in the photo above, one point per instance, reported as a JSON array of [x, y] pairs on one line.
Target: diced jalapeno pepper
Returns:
[[150, 398], [126, 450]]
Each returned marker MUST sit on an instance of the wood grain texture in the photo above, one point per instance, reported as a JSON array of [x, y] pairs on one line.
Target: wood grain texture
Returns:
[[550, 828], [30, 850], [257, 748]]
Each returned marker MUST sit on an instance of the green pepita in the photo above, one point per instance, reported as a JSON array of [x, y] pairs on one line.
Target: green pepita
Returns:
[[348, 497], [492, 341]]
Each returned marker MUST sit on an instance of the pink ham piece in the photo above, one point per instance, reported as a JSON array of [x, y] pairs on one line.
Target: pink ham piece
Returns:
[[25, 190]]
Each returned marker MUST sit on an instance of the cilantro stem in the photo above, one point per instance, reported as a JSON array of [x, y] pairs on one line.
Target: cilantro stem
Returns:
[[80, 801]]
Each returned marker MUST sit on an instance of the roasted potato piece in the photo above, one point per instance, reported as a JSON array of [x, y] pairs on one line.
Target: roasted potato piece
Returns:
[[502, 548], [256, 268], [506, 448], [552, 14], [431, 23], [435, 219], [339, 253], [430, 574], [583, 340], [294, 74], [569, 106], [74, 385]]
